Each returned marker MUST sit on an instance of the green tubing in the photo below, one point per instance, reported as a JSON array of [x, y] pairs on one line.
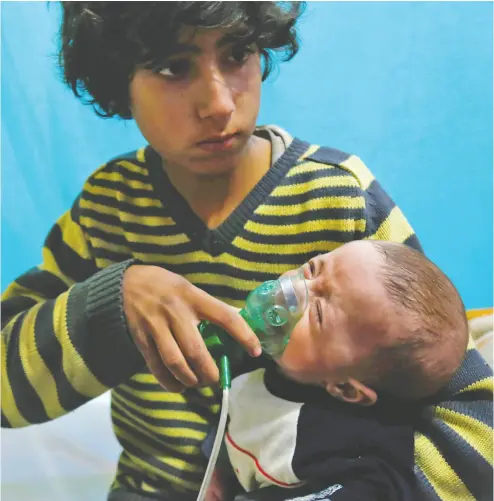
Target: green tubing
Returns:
[[225, 376]]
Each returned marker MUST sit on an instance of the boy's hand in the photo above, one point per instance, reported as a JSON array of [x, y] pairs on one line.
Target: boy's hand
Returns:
[[162, 311]]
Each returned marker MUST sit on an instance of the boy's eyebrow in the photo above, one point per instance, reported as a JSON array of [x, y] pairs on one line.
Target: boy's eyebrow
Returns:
[[185, 48]]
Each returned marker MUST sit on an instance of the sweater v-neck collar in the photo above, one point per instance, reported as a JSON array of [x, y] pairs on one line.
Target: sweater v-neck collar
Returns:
[[215, 240]]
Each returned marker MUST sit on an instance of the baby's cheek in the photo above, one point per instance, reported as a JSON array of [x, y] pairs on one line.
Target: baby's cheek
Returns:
[[292, 359]]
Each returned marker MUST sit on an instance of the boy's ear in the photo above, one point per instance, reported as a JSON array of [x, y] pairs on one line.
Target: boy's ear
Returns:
[[353, 392]]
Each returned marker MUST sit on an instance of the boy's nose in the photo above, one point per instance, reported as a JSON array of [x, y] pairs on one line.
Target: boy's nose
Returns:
[[216, 100]]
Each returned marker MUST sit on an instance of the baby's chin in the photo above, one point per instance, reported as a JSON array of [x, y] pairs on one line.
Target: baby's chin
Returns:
[[296, 376]]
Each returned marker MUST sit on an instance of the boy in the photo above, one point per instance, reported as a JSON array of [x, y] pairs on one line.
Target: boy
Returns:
[[383, 331], [162, 238]]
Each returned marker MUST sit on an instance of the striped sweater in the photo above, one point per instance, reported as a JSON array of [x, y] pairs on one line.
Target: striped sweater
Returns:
[[65, 340]]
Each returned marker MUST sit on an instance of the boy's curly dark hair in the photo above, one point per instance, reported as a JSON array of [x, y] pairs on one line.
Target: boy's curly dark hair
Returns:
[[103, 43]]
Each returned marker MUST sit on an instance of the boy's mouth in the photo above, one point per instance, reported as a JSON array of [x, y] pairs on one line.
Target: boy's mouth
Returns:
[[219, 142]]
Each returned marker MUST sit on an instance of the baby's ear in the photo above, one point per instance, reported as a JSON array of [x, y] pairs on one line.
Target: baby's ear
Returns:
[[353, 392]]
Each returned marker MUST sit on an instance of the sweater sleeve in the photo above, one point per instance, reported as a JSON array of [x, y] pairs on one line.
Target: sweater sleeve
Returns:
[[453, 443], [380, 218], [384, 220], [64, 335]]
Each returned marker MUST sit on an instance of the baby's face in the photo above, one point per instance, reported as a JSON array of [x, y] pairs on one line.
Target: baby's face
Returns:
[[347, 316]]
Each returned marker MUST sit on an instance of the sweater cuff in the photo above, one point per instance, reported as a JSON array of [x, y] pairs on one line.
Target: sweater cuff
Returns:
[[96, 319]]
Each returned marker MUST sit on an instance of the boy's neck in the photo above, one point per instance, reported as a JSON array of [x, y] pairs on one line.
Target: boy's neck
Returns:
[[214, 198]]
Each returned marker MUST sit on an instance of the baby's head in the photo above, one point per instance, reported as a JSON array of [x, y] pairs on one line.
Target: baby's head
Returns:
[[381, 318]]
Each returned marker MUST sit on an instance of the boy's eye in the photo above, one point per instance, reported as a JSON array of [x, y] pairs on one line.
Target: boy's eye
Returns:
[[240, 53], [175, 69], [316, 311], [319, 311], [312, 268]]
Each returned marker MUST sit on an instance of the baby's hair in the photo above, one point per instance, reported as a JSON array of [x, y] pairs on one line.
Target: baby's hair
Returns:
[[103, 43], [433, 323]]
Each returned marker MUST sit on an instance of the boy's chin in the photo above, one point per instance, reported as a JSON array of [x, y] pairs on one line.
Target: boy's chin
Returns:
[[213, 167]]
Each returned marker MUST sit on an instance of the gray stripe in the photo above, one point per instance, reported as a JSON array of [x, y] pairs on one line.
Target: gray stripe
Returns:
[[331, 156], [481, 410]]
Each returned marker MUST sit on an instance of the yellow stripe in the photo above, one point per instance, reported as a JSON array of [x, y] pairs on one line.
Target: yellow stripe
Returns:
[[310, 150], [312, 205], [477, 434], [73, 236], [98, 243], [189, 257], [155, 395], [485, 384], [212, 279], [117, 195], [394, 228], [355, 165], [89, 222], [164, 414], [141, 157], [16, 290], [314, 184], [283, 249], [441, 476], [101, 191], [127, 217], [207, 391], [149, 378], [165, 240], [38, 374], [146, 426], [9, 406], [132, 481], [103, 263], [133, 462], [308, 167], [156, 453], [346, 225], [74, 367], [148, 488], [161, 396], [117, 177], [200, 257], [183, 449], [50, 264], [132, 166]]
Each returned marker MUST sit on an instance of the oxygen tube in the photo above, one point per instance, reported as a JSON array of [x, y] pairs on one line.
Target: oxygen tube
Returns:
[[272, 310]]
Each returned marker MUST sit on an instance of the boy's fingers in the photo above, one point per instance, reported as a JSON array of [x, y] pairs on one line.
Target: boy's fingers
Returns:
[[228, 318], [194, 350], [160, 372], [172, 357]]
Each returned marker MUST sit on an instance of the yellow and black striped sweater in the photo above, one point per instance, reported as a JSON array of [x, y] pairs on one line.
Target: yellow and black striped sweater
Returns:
[[65, 341]]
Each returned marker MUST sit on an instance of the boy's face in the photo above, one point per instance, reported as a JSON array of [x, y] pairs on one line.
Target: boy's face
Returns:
[[200, 110], [347, 317]]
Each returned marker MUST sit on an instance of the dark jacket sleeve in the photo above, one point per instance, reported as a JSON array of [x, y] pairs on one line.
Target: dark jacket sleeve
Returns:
[[356, 453]]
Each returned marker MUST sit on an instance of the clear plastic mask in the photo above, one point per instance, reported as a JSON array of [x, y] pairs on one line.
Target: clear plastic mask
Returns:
[[274, 308]]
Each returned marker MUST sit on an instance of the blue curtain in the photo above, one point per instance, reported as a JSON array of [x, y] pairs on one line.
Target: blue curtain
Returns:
[[407, 86]]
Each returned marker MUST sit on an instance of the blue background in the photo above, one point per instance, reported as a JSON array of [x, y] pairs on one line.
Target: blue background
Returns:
[[407, 86]]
